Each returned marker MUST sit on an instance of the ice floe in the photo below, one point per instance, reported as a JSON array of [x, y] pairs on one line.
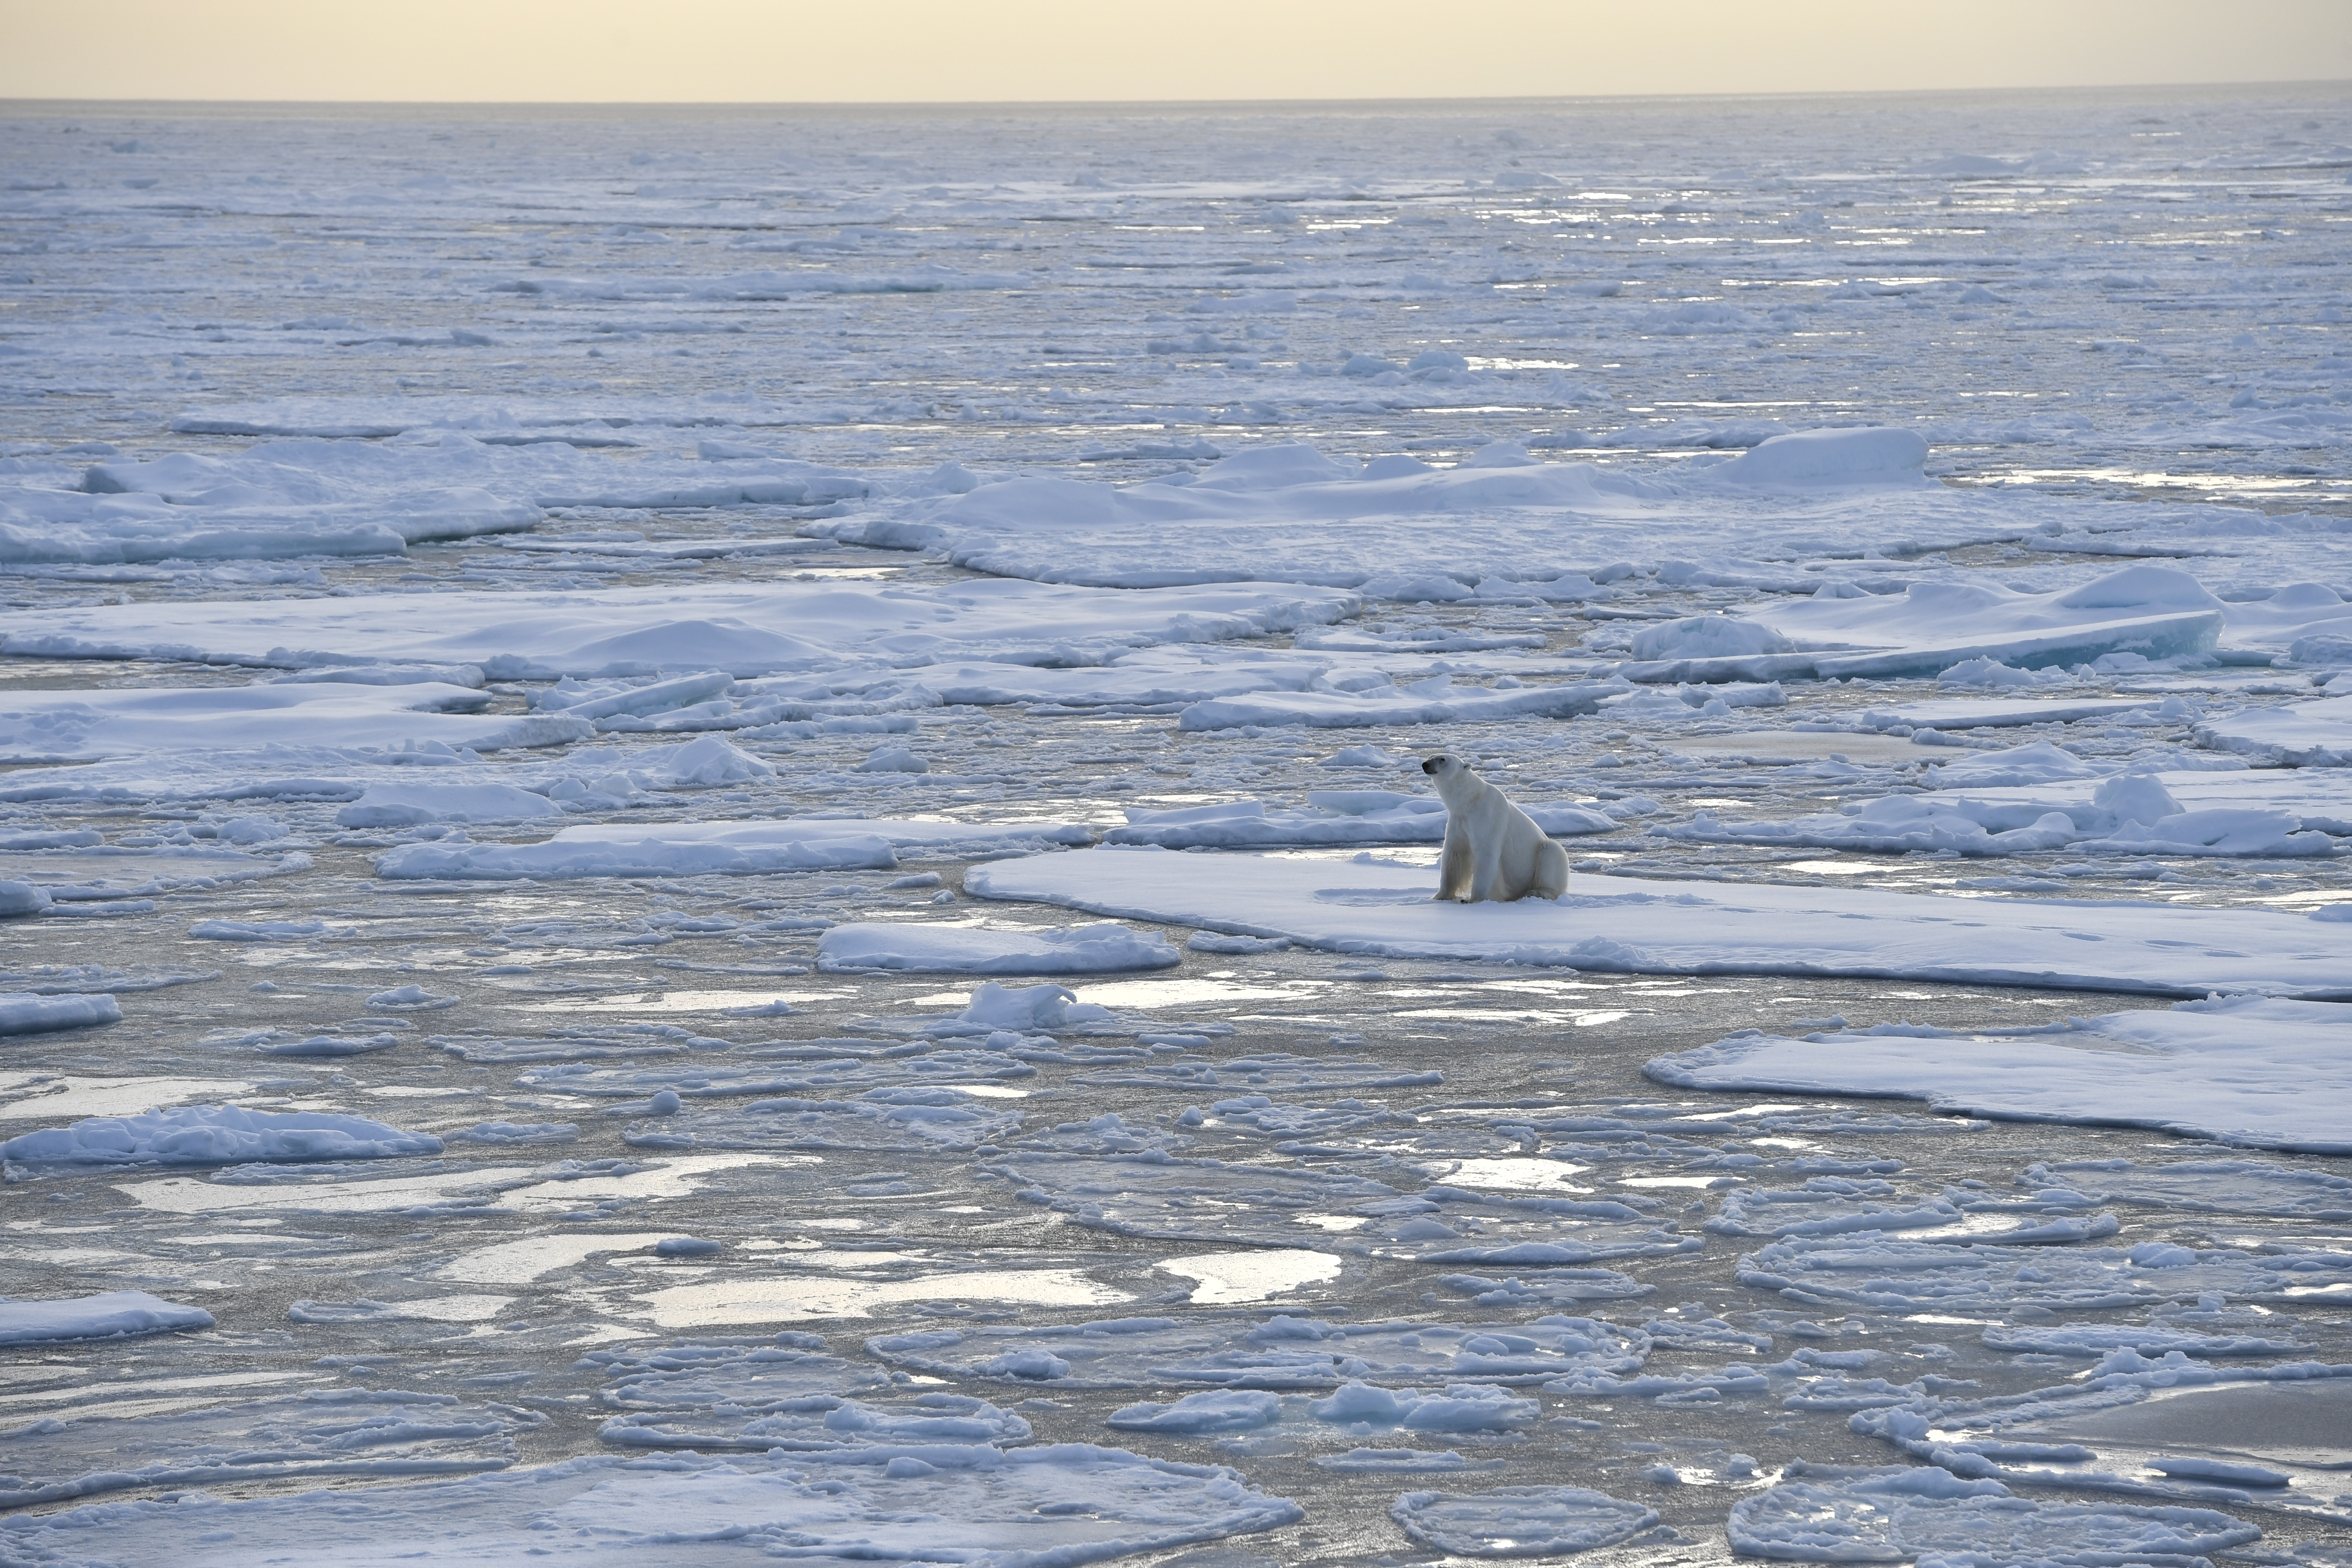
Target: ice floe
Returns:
[[1071, 1501], [1280, 1354], [214, 1135], [1870, 1271], [1329, 817], [1825, 1514], [720, 848], [380, 1434], [23, 1013], [744, 629], [2302, 734], [1520, 1522], [117, 1315], [2261, 1073], [1643, 926], [927, 948]]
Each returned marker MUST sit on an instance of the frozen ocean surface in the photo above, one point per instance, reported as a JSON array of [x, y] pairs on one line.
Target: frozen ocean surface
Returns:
[[711, 842]]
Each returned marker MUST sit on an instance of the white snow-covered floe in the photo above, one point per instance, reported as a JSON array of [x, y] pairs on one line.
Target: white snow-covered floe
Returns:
[[819, 1422], [1066, 1502], [1500, 525], [275, 499], [722, 849], [214, 1135], [922, 947], [1520, 1522], [1825, 1514], [22, 899], [22, 1013], [745, 629], [2152, 611], [1281, 1353], [64, 726], [2256, 1072], [1629, 925], [2129, 814], [1347, 817], [2302, 734], [114, 1315], [408, 804]]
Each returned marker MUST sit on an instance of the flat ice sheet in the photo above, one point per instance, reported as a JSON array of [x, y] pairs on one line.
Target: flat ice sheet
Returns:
[[926, 948], [1890, 1516], [115, 1314], [743, 628], [2303, 734], [720, 848], [1078, 1502], [62, 726], [1627, 925], [2256, 1072]]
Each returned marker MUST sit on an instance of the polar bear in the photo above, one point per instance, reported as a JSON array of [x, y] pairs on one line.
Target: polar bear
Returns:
[[1493, 849]]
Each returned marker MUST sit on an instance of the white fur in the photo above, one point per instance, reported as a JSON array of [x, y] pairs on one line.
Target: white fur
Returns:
[[1493, 849]]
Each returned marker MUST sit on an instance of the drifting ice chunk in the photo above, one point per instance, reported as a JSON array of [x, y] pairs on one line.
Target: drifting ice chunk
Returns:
[[2303, 735], [1894, 1515], [115, 1315], [721, 848], [1281, 1353], [23, 1014], [409, 804], [1069, 1502], [358, 1432], [1945, 1276], [1520, 1522], [215, 1135], [924, 949], [2243, 1070]]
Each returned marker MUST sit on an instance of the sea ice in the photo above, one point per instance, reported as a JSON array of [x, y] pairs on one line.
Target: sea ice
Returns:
[[116, 1314], [720, 848], [1062, 1503], [21, 1014], [214, 1135], [1280, 1354], [2252, 1072], [930, 949], [1654, 926], [1520, 1522], [1893, 1515]]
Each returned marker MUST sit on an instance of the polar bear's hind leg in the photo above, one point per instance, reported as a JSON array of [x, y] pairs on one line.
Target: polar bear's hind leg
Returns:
[[1550, 871]]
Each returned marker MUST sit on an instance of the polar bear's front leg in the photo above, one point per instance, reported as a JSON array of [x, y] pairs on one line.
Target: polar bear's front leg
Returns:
[[1454, 865], [1486, 870]]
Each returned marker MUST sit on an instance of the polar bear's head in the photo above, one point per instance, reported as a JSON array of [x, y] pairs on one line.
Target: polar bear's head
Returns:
[[1446, 767]]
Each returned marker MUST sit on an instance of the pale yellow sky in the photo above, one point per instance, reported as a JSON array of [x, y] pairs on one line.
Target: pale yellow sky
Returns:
[[1042, 50]]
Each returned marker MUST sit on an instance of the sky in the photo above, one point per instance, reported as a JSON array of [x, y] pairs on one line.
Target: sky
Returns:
[[905, 51]]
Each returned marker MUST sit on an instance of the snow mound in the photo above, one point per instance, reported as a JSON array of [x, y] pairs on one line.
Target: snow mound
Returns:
[[22, 1013], [924, 949], [115, 1315], [215, 1135], [1811, 459]]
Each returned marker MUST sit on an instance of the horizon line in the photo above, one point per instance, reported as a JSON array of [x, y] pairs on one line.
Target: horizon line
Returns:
[[10, 104]]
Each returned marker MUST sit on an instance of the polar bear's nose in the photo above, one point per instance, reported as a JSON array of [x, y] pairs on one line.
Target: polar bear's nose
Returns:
[[1429, 766]]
